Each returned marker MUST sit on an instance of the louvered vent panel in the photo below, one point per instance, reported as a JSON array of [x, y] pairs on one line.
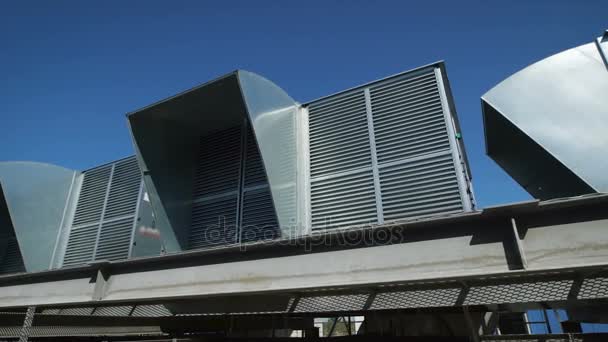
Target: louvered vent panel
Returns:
[[343, 201], [218, 163], [124, 189], [339, 138], [254, 167], [92, 195], [420, 188], [81, 245], [12, 262], [259, 219], [114, 240], [408, 118], [213, 222]]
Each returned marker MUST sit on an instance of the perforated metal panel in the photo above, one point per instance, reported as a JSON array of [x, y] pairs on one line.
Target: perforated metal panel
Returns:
[[92, 195], [115, 311], [520, 292], [594, 288], [11, 261], [416, 299], [332, 303]]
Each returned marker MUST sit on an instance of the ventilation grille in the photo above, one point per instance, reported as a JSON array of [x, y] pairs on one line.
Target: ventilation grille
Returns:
[[124, 189], [81, 245], [420, 188], [259, 218], [343, 201], [213, 222], [339, 139], [408, 118], [218, 163], [92, 195], [114, 240], [12, 261], [254, 167], [113, 210]]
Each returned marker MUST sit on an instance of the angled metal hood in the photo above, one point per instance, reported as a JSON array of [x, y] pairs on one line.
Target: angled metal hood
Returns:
[[167, 134], [34, 197], [546, 124]]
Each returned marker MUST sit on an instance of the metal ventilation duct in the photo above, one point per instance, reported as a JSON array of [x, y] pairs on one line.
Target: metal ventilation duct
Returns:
[[546, 124]]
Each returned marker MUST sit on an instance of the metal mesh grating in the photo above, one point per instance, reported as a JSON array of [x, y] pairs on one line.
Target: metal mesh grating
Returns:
[[92, 195], [116, 311], [594, 288], [124, 189], [353, 302], [60, 331], [343, 201], [416, 299], [218, 163], [12, 261], [408, 117], [419, 188], [339, 135], [81, 245], [86, 311], [151, 311], [115, 240], [213, 222], [259, 221], [518, 293]]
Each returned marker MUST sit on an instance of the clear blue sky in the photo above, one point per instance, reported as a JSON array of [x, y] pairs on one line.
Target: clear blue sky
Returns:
[[69, 71]]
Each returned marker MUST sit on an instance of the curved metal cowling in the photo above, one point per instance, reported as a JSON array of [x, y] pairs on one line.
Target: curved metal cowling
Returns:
[[167, 136], [35, 195], [546, 124]]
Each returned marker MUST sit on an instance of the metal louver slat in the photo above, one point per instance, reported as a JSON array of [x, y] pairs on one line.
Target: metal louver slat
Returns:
[[12, 262], [92, 195], [81, 245], [124, 189], [213, 222], [408, 118], [346, 200], [114, 240], [259, 217], [420, 188], [339, 137], [254, 167], [218, 163]]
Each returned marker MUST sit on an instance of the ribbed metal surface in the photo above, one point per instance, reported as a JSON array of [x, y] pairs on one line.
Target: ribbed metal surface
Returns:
[[408, 117], [254, 167], [218, 163], [339, 139], [12, 261], [259, 218], [81, 245], [124, 189], [419, 188], [213, 222], [92, 195], [114, 240], [343, 201]]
